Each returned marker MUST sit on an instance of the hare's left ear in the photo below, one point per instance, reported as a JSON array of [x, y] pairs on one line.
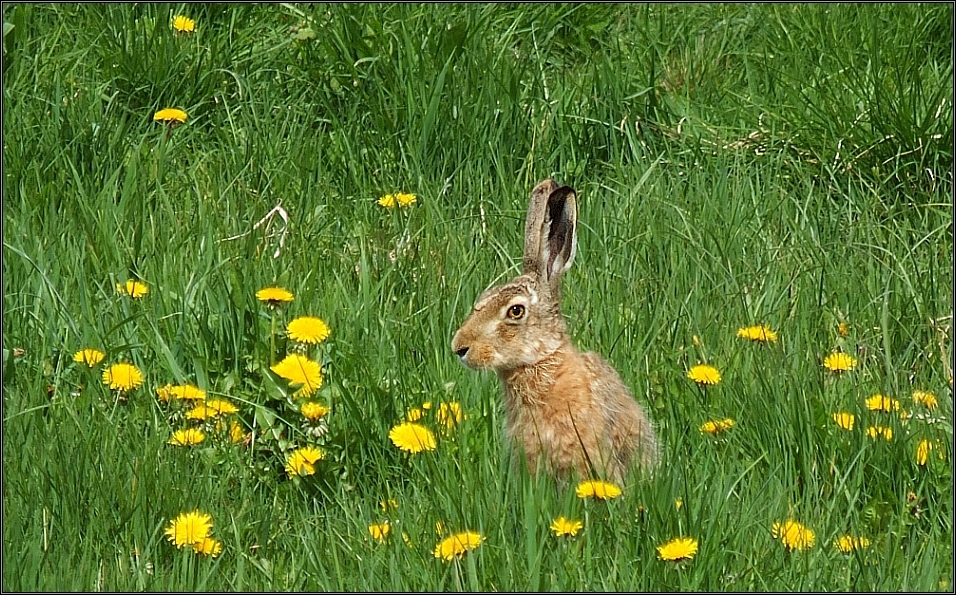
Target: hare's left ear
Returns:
[[559, 234]]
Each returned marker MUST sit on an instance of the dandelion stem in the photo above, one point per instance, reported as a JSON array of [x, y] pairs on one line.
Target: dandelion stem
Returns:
[[272, 340]]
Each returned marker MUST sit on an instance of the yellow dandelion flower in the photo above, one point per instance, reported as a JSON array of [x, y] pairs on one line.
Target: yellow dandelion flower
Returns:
[[843, 329], [601, 490], [308, 329], [450, 414], [717, 426], [760, 334], [379, 531], [390, 201], [927, 399], [844, 420], [302, 461], [122, 377], [134, 289], [412, 437], [222, 406], [704, 375], [679, 503], [298, 369], [874, 431], [562, 526], [681, 548], [457, 545], [187, 392], [170, 115], [794, 535], [314, 411], [389, 504], [880, 403], [187, 437], [274, 295], [415, 414], [839, 362], [183, 24], [164, 393], [208, 547], [200, 412], [90, 357], [236, 433], [848, 543], [923, 449], [211, 408], [189, 528]]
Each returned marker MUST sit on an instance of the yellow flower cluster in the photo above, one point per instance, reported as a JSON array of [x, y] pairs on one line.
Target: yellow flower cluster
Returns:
[[192, 529]]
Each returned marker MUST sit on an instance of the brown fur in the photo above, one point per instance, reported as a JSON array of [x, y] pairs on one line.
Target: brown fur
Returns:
[[567, 411]]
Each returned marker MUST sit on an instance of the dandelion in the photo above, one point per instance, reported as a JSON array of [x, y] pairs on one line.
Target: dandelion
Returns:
[[848, 543], [187, 437], [717, 426], [402, 200], [415, 414], [843, 329], [183, 24], [844, 420], [171, 116], [122, 377], [922, 451], [298, 369], [187, 392], [681, 548], [379, 531], [236, 433], [794, 535], [274, 295], [927, 399], [839, 362], [90, 357], [760, 334], [449, 414], [412, 437], [874, 431], [880, 403], [457, 545], [302, 461], [704, 375], [308, 329], [598, 489], [189, 528], [679, 503], [313, 411], [562, 526], [222, 406], [210, 409], [163, 393], [389, 504], [208, 547]]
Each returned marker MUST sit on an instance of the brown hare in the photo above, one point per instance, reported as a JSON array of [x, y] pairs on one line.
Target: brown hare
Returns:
[[569, 412]]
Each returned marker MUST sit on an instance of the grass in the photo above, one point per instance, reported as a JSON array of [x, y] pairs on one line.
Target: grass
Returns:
[[735, 164]]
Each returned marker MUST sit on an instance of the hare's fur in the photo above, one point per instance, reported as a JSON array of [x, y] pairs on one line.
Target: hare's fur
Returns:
[[569, 412]]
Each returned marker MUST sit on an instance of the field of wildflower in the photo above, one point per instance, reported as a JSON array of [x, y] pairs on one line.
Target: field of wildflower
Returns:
[[237, 241]]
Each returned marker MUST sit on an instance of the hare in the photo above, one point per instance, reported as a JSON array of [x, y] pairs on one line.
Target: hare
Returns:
[[567, 411]]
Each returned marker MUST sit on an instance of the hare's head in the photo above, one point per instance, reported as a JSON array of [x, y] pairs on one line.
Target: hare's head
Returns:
[[520, 323]]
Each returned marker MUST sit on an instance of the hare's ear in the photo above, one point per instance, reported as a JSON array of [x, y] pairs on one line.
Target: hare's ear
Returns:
[[551, 232]]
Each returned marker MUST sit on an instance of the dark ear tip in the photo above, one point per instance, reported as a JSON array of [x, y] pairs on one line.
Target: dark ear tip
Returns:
[[561, 193]]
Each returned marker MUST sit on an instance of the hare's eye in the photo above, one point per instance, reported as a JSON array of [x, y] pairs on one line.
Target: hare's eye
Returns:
[[516, 312]]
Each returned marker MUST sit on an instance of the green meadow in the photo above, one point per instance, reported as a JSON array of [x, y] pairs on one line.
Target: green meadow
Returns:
[[786, 166]]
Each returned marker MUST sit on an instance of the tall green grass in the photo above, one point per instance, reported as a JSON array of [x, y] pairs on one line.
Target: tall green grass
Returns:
[[736, 165]]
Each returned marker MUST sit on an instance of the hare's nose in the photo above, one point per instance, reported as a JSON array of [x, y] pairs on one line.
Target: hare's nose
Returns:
[[462, 352]]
